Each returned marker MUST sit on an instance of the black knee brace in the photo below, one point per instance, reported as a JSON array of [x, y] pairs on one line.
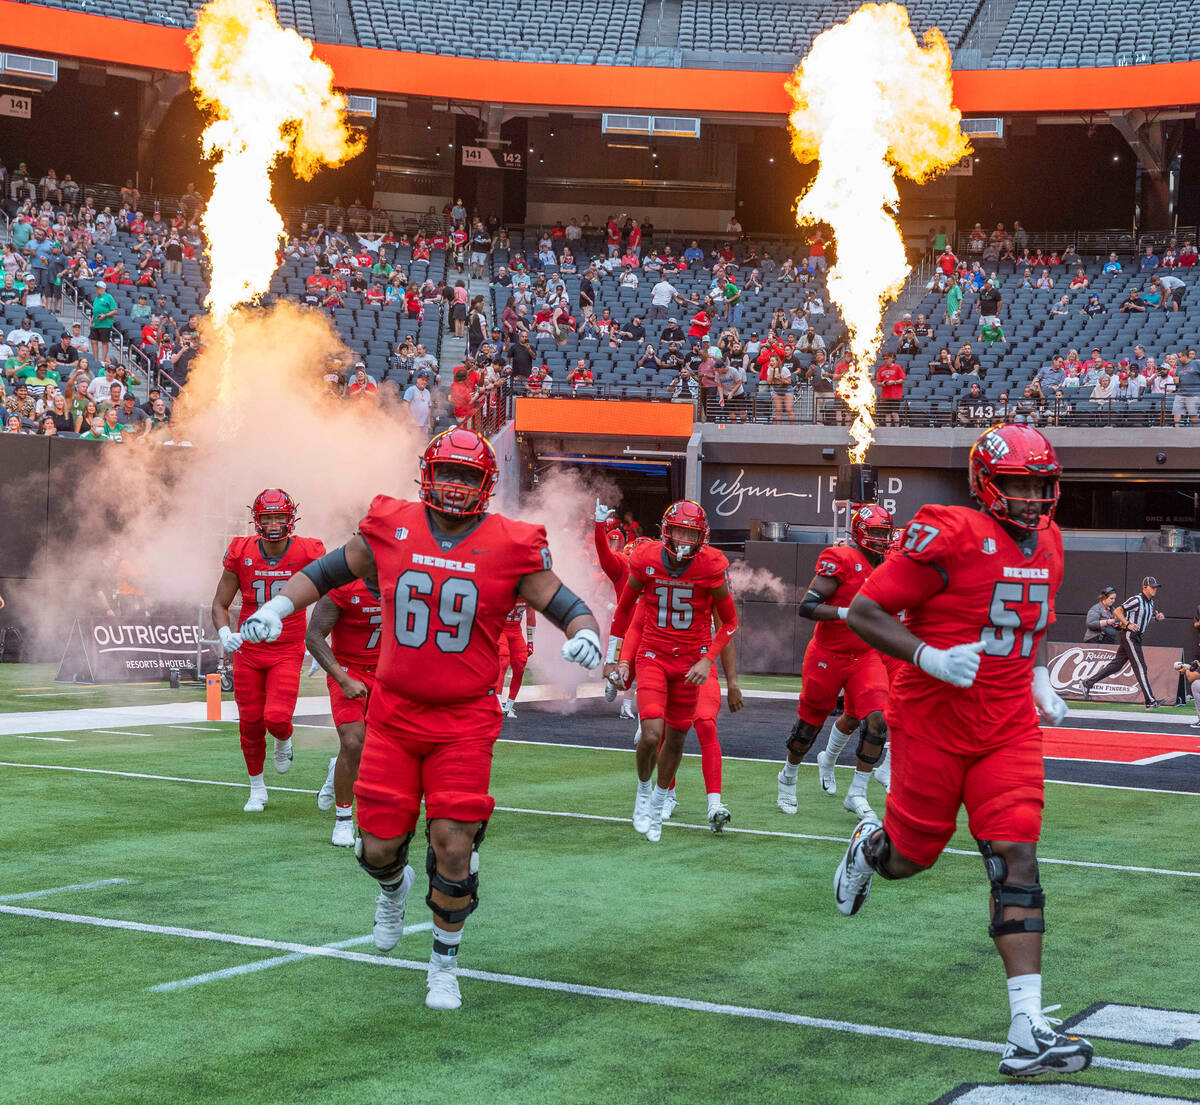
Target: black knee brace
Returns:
[[459, 888], [1010, 894], [797, 743], [876, 852], [389, 875], [870, 738]]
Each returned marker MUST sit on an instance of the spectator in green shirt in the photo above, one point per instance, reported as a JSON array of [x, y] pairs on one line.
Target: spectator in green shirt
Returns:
[[104, 315], [112, 429], [95, 432], [954, 297]]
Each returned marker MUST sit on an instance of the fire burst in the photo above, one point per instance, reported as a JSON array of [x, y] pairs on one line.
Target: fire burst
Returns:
[[870, 102], [269, 97]]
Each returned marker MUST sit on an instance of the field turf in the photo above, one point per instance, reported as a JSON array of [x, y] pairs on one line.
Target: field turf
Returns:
[[704, 969]]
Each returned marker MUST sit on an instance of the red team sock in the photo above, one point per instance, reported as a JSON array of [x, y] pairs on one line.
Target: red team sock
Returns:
[[254, 745], [710, 755]]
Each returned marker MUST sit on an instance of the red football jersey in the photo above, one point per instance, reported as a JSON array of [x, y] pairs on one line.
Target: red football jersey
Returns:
[[355, 636], [677, 605], [963, 578], [445, 600], [518, 614], [260, 579], [848, 565]]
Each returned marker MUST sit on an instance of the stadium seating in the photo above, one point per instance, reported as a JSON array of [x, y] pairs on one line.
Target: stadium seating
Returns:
[[180, 13], [1070, 33]]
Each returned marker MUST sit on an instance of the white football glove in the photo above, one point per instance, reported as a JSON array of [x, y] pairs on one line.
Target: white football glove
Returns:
[[583, 649], [603, 513], [266, 623], [957, 666], [230, 641], [1049, 705]]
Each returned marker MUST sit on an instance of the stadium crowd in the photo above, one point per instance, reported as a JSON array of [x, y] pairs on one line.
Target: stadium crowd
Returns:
[[741, 329]]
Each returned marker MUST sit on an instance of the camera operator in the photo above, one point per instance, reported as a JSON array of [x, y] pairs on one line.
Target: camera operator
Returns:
[[1191, 672]]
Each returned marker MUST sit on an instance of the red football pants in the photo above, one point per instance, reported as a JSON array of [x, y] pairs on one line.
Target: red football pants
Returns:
[[266, 683], [706, 733], [514, 653]]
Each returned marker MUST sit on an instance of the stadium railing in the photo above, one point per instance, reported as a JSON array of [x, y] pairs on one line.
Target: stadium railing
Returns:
[[1121, 240]]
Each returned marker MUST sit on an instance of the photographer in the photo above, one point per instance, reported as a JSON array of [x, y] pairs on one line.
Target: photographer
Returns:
[[1101, 625], [1133, 616]]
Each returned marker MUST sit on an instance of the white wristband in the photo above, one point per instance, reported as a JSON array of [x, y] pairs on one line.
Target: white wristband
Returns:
[[280, 605], [614, 650], [843, 612]]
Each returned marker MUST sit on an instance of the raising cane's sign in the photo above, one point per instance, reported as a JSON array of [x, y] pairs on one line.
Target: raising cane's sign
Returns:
[[1068, 664]]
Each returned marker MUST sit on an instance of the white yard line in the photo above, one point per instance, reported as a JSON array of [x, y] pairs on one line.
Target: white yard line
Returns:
[[583, 990], [56, 740], [61, 889], [197, 728], [266, 964], [606, 818], [120, 733], [54, 694]]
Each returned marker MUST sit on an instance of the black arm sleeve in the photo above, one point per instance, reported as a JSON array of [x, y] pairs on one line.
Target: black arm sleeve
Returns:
[[564, 608], [329, 571]]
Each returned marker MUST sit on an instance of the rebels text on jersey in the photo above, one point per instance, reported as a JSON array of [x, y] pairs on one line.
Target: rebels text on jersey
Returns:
[[355, 635], [850, 568], [677, 604], [260, 579], [445, 600], [963, 578]]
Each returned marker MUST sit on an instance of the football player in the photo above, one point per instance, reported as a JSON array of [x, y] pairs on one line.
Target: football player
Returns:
[[515, 649], [837, 660], [266, 681], [978, 588], [679, 584], [448, 572], [613, 554], [352, 617]]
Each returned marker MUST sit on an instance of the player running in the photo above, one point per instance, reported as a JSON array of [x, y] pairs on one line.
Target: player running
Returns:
[[515, 649], [613, 554], [965, 725], [266, 681], [448, 573], [352, 616], [680, 583], [837, 660]]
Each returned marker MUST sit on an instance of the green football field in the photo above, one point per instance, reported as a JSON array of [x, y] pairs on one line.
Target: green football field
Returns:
[[187, 952]]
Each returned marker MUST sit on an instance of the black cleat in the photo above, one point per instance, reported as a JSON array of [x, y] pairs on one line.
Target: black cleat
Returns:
[[1037, 1048]]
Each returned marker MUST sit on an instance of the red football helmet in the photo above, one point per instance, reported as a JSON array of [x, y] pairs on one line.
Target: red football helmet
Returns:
[[615, 540], [627, 551], [684, 514], [274, 501], [465, 448], [871, 528], [1014, 450], [611, 524]]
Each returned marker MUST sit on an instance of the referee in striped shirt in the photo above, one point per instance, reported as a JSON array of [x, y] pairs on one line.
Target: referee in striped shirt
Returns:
[[1133, 616]]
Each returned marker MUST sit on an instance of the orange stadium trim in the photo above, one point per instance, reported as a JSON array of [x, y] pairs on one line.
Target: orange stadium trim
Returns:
[[587, 416], [140, 45]]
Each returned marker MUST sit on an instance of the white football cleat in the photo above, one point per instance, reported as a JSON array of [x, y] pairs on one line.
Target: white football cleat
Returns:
[[641, 812], [1034, 1047], [654, 828], [787, 796], [852, 879], [883, 770], [859, 806], [627, 713], [508, 710], [718, 818], [257, 801], [283, 755], [441, 986], [825, 764], [343, 832], [325, 794], [389, 912], [313, 668], [669, 804]]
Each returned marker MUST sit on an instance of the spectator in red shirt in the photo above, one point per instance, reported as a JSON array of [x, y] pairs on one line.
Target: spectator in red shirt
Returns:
[[903, 324], [581, 375], [635, 240], [612, 233], [1188, 256], [461, 396], [701, 324], [816, 253], [412, 301], [362, 386], [889, 378]]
